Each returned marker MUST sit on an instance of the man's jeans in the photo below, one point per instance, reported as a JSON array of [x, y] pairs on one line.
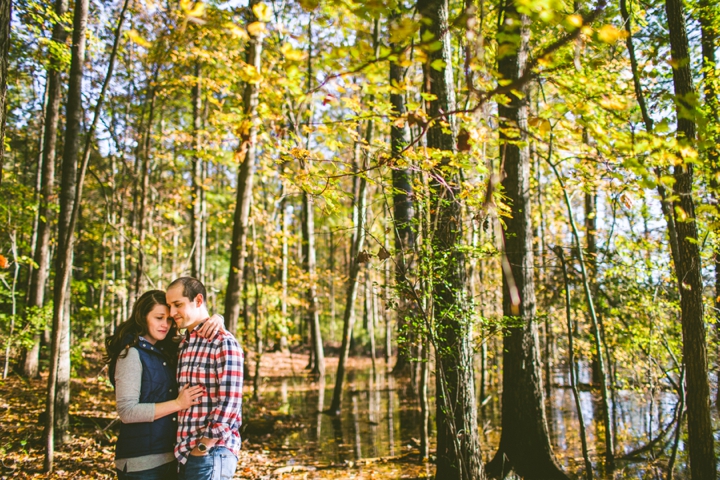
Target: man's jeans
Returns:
[[163, 472], [218, 464]]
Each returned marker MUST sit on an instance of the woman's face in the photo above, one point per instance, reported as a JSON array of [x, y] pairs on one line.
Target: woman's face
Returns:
[[159, 323]]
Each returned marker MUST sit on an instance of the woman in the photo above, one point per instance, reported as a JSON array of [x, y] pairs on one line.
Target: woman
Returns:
[[142, 359]]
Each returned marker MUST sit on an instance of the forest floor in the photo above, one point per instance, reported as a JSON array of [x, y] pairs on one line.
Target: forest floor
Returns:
[[89, 450]]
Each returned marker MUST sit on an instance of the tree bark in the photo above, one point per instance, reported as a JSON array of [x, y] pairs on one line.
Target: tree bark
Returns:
[[36, 297], [246, 174], [197, 167], [5, 19], [67, 205], [403, 210], [144, 187], [524, 443], [458, 443], [310, 266], [707, 16], [359, 212], [688, 263]]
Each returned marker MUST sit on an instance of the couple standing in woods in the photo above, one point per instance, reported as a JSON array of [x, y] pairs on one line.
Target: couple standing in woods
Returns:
[[166, 433]]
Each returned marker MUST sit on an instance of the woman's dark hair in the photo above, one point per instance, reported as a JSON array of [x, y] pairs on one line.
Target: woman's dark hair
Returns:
[[127, 333]]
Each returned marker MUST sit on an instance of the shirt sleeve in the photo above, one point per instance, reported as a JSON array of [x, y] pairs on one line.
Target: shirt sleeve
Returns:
[[226, 416], [128, 380]]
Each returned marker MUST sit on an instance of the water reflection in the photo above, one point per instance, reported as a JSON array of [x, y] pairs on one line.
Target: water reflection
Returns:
[[378, 420]]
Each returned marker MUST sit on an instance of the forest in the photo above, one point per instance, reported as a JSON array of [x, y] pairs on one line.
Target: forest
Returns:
[[456, 239]]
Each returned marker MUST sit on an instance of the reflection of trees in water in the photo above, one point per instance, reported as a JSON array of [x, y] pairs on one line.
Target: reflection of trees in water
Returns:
[[378, 421]]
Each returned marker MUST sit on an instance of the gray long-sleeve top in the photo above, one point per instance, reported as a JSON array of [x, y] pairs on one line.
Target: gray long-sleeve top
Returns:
[[128, 381]]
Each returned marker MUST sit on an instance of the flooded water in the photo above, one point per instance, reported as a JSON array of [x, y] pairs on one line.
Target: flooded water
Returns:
[[381, 418]]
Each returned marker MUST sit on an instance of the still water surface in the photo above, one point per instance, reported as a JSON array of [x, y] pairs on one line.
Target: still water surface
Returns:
[[381, 418]]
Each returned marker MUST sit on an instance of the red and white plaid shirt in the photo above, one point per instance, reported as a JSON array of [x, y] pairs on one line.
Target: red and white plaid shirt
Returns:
[[217, 364]]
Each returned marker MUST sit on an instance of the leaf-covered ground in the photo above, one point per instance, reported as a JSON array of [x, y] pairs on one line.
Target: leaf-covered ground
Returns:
[[89, 451]]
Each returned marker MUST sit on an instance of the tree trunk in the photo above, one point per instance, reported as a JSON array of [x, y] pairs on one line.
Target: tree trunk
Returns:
[[571, 364], [144, 187], [708, 16], [39, 277], [67, 205], [458, 443], [688, 263], [197, 167], [310, 265], [403, 210], [525, 443], [284, 274], [248, 147], [359, 212], [5, 18], [369, 317], [607, 425]]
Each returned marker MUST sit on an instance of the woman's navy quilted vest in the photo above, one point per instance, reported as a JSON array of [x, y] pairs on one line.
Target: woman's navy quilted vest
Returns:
[[158, 385]]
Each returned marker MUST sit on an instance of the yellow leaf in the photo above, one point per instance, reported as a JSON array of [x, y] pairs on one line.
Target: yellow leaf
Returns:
[[256, 29], [236, 31], [291, 53], [262, 12], [135, 37], [609, 34], [613, 103], [545, 126], [682, 216], [250, 74], [575, 20]]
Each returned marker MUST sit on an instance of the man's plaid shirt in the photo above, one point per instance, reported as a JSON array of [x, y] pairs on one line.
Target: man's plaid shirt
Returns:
[[216, 363]]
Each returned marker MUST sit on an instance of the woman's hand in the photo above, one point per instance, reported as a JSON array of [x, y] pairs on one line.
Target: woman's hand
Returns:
[[189, 396], [211, 326]]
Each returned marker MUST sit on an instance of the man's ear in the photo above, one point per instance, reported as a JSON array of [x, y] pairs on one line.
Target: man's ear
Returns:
[[198, 300]]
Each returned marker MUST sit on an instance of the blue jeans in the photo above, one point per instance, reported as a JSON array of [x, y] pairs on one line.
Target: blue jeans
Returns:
[[163, 472], [218, 464]]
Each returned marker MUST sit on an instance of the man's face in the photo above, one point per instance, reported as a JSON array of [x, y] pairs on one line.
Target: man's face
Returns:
[[184, 310]]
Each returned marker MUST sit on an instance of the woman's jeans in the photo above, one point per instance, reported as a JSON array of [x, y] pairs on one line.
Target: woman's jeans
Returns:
[[218, 464], [163, 472]]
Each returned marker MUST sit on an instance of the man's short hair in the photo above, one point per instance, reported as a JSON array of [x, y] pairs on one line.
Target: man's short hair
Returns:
[[191, 287]]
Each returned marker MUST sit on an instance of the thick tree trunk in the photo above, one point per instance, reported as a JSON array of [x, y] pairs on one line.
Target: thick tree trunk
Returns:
[[708, 15], [458, 443], [403, 211], [67, 205], [244, 187], [5, 17], [525, 443], [39, 277], [688, 264]]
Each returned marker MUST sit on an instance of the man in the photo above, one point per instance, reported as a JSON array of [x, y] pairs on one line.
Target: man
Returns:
[[208, 438]]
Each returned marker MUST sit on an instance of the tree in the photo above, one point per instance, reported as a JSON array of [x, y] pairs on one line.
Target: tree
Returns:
[[403, 210], [458, 454], [688, 262], [525, 442], [68, 206], [5, 19], [247, 151], [36, 295]]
